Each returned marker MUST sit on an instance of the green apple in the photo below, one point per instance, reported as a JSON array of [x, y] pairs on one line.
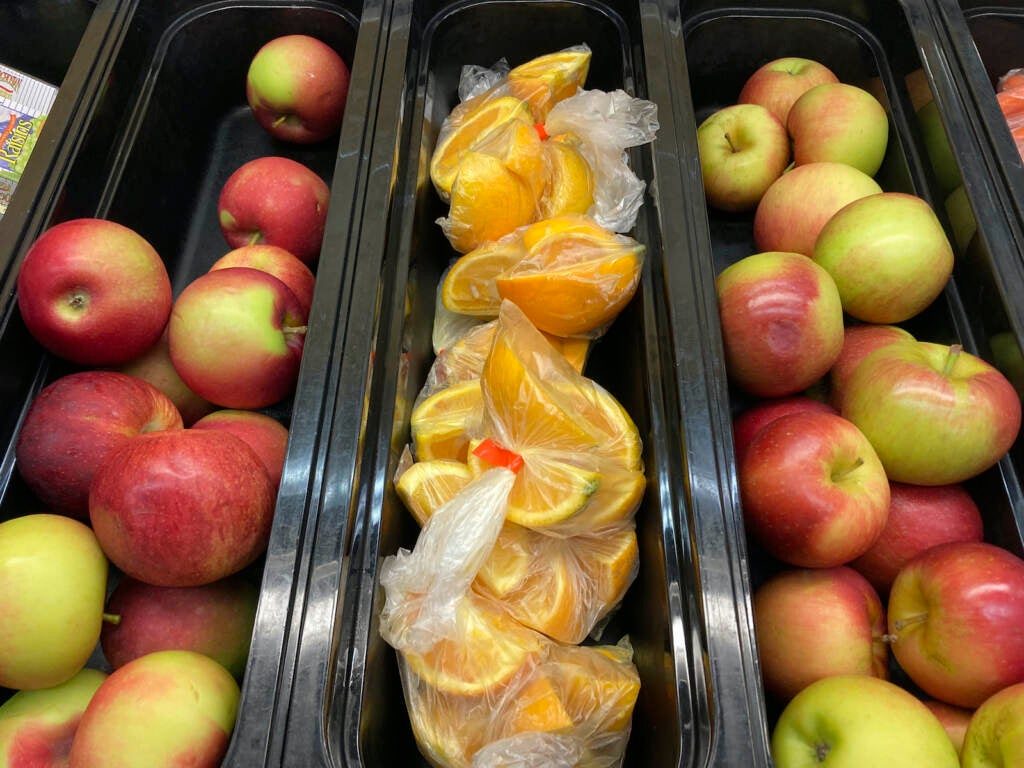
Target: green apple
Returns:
[[36, 727], [961, 217], [53, 579], [936, 144], [163, 710], [855, 721], [995, 735], [888, 255], [839, 123]]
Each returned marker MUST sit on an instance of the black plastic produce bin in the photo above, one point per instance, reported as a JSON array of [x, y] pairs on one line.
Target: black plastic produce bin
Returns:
[[161, 123]]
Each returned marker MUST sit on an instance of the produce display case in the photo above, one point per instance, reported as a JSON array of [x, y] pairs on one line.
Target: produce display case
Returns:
[[322, 688]]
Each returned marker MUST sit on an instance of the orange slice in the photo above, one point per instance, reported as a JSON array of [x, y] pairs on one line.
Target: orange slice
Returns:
[[439, 422], [426, 485], [564, 225], [467, 123], [599, 408], [547, 80], [570, 188], [538, 706], [519, 147], [469, 287]]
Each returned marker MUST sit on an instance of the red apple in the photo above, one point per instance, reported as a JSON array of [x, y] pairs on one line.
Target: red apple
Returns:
[[797, 206], [839, 123], [936, 415], [813, 491], [815, 623], [749, 422], [182, 509], [74, 422], [995, 734], [955, 618], [236, 337], [93, 292], [296, 87], [954, 719], [743, 149], [779, 83], [275, 201], [277, 262], [265, 435], [155, 366], [920, 517], [214, 619], [782, 323], [858, 342]]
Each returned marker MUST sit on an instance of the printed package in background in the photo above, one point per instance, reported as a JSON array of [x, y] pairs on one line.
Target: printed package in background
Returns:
[[24, 104]]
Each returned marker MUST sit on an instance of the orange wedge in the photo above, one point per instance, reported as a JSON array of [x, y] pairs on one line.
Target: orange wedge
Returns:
[[570, 188], [465, 358], [426, 485], [467, 123], [538, 706], [547, 80], [469, 287], [439, 422], [520, 149], [602, 411], [598, 684], [567, 224]]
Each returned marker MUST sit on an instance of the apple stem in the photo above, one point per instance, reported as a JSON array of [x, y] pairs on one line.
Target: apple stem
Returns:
[[112, 618], [951, 358], [254, 239], [280, 120], [732, 146], [844, 472], [292, 330], [917, 618]]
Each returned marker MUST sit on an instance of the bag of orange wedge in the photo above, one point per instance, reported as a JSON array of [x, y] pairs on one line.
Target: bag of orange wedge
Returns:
[[477, 682], [569, 275]]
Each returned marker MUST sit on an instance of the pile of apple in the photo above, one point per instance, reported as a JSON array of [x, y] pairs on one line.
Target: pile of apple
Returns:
[[154, 456], [858, 496]]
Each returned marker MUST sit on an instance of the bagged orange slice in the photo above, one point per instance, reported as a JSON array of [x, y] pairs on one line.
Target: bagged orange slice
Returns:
[[546, 80], [570, 183], [439, 421]]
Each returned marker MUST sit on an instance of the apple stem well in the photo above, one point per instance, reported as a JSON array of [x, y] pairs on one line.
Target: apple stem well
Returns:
[[255, 238], [841, 473], [112, 618], [901, 624], [951, 358]]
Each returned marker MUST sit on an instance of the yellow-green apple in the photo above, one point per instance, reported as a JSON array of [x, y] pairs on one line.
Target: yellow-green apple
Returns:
[[94, 292], [817, 622], [162, 710], [750, 421], [936, 415], [814, 493], [954, 719], [53, 580], [856, 721], [236, 337], [955, 617], [274, 201], [995, 734], [74, 422], [36, 727], [960, 213], [743, 149], [937, 147], [782, 323], [796, 207], [858, 342], [920, 517], [279, 263], [779, 83], [215, 620], [265, 435], [888, 254], [155, 366], [296, 87], [184, 508], [1006, 354], [839, 123]]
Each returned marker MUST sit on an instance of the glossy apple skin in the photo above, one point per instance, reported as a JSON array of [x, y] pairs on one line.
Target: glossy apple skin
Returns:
[[796, 207], [779, 83], [93, 292], [858, 342], [36, 727], [265, 435], [995, 734], [814, 494], [815, 623], [215, 620], [182, 509], [236, 337], [955, 614], [155, 366], [933, 418], [888, 254], [74, 422], [163, 710], [839, 123], [954, 719], [296, 87], [920, 517], [751, 420], [782, 323], [743, 149], [275, 201], [53, 580], [278, 262], [855, 721]]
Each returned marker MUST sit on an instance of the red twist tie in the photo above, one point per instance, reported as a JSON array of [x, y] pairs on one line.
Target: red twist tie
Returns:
[[496, 456]]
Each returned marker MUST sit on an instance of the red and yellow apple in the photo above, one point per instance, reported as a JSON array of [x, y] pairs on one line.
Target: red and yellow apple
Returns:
[[954, 719], [277, 262], [751, 420], [995, 734], [858, 342], [155, 366], [779, 83], [265, 435], [839, 123]]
